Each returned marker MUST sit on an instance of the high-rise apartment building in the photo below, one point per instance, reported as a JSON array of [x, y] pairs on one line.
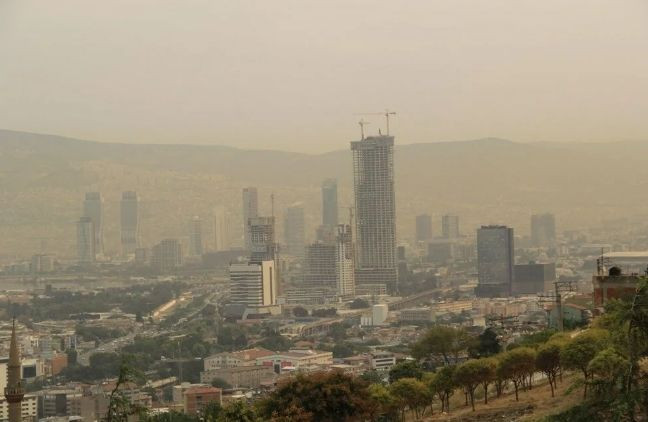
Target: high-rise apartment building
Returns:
[[450, 226], [373, 176], [423, 228], [85, 241], [195, 237], [221, 229], [495, 261], [329, 203], [93, 209], [250, 210], [166, 256], [294, 235], [543, 230], [320, 265], [263, 245], [129, 222], [253, 284], [344, 265]]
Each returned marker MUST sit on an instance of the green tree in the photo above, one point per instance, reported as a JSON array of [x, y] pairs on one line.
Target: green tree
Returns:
[[300, 312], [342, 350], [579, 351], [238, 411], [443, 342], [406, 369], [211, 412], [221, 383], [359, 304], [473, 373], [443, 385], [516, 365], [548, 361], [411, 394], [608, 370], [487, 343], [386, 405]]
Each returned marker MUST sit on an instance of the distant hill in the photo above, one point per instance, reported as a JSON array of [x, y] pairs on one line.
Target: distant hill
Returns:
[[43, 179]]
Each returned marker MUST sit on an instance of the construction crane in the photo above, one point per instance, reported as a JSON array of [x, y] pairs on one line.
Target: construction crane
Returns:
[[362, 124], [386, 113]]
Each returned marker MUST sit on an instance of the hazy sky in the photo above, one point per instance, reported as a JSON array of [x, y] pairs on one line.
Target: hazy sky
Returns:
[[291, 74]]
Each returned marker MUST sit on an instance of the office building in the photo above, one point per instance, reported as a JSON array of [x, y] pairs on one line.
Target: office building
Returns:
[[221, 229], [320, 265], [450, 226], [195, 237], [344, 266], [532, 278], [166, 256], [93, 209], [329, 203], [423, 228], [294, 235], [250, 210], [373, 177], [495, 259], [129, 222], [543, 230], [253, 284], [263, 246], [85, 241]]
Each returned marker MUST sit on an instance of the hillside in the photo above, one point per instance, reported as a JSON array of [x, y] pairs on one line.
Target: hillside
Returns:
[[43, 179]]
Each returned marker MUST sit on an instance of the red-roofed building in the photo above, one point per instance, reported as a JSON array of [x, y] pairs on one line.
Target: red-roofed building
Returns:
[[196, 398]]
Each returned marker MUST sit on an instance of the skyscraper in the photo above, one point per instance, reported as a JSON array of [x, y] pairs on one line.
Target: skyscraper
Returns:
[[450, 226], [294, 235], [543, 230], [129, 222], [329, 203], [85, 241], [253, 284], [221, 229], [166, 256], [495, 261], [195, 237], [250, 210], [320, 265], [14, 391], [373, 176], [344, 266], [93, 209], [263, 246], [423, 227]]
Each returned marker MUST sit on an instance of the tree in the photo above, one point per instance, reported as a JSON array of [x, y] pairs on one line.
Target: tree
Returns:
[[411, 393], [359, 304], [488, 344], [386, 405], [472, 373], [548, 361], [579, 351], [337, 331], [299, 312], [342, 351], [443, 385], [327, 396], [406, 369], [444, 343], [608, 369], [211, 412], [516, 365], [373, 377], [221, 383], [120, 407], [237, 411]]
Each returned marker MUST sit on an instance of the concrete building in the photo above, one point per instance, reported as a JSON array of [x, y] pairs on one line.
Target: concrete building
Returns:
[[129, 208], [41, 263], [495, 259], [247, 357], [344, 262], [441, 251], [28, 409], [373, 176], [85, 241], [379, 313], [423, 228], [253, 284], [423, 314], [533, 278], [320, 265], [249, 376], [450, 226], [197, 398], [221, 230], [166, 256], [614, 285], [329, 203], [262, 243], [93, 209], [294, 234], [382, 361], [250, 210], [543, 230], [195, 237]]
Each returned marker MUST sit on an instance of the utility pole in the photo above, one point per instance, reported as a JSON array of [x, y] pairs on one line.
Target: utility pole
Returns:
[[560, 287]]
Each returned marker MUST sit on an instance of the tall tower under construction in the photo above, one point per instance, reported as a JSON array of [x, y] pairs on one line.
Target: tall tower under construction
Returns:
[[14, 391], [373, 177]]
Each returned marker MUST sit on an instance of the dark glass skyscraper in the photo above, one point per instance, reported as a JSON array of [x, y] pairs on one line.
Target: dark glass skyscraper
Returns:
[[329, 203], [495, 260]]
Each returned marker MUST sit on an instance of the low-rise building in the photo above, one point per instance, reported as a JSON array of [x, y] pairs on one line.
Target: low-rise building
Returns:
[[197, 398], [423, 314], [246, 357], [242, 376], [382, 361]]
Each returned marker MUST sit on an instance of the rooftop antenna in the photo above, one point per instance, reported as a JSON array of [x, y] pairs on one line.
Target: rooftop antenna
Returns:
[[362, 124]]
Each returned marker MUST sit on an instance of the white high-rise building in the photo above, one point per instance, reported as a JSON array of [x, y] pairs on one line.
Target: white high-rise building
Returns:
[[495, 261], [344, 264], [250, 210], [195, 237], [375, 206], [85, 241], [221, 229], [253, 284], [294, 235], [93, 209]]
